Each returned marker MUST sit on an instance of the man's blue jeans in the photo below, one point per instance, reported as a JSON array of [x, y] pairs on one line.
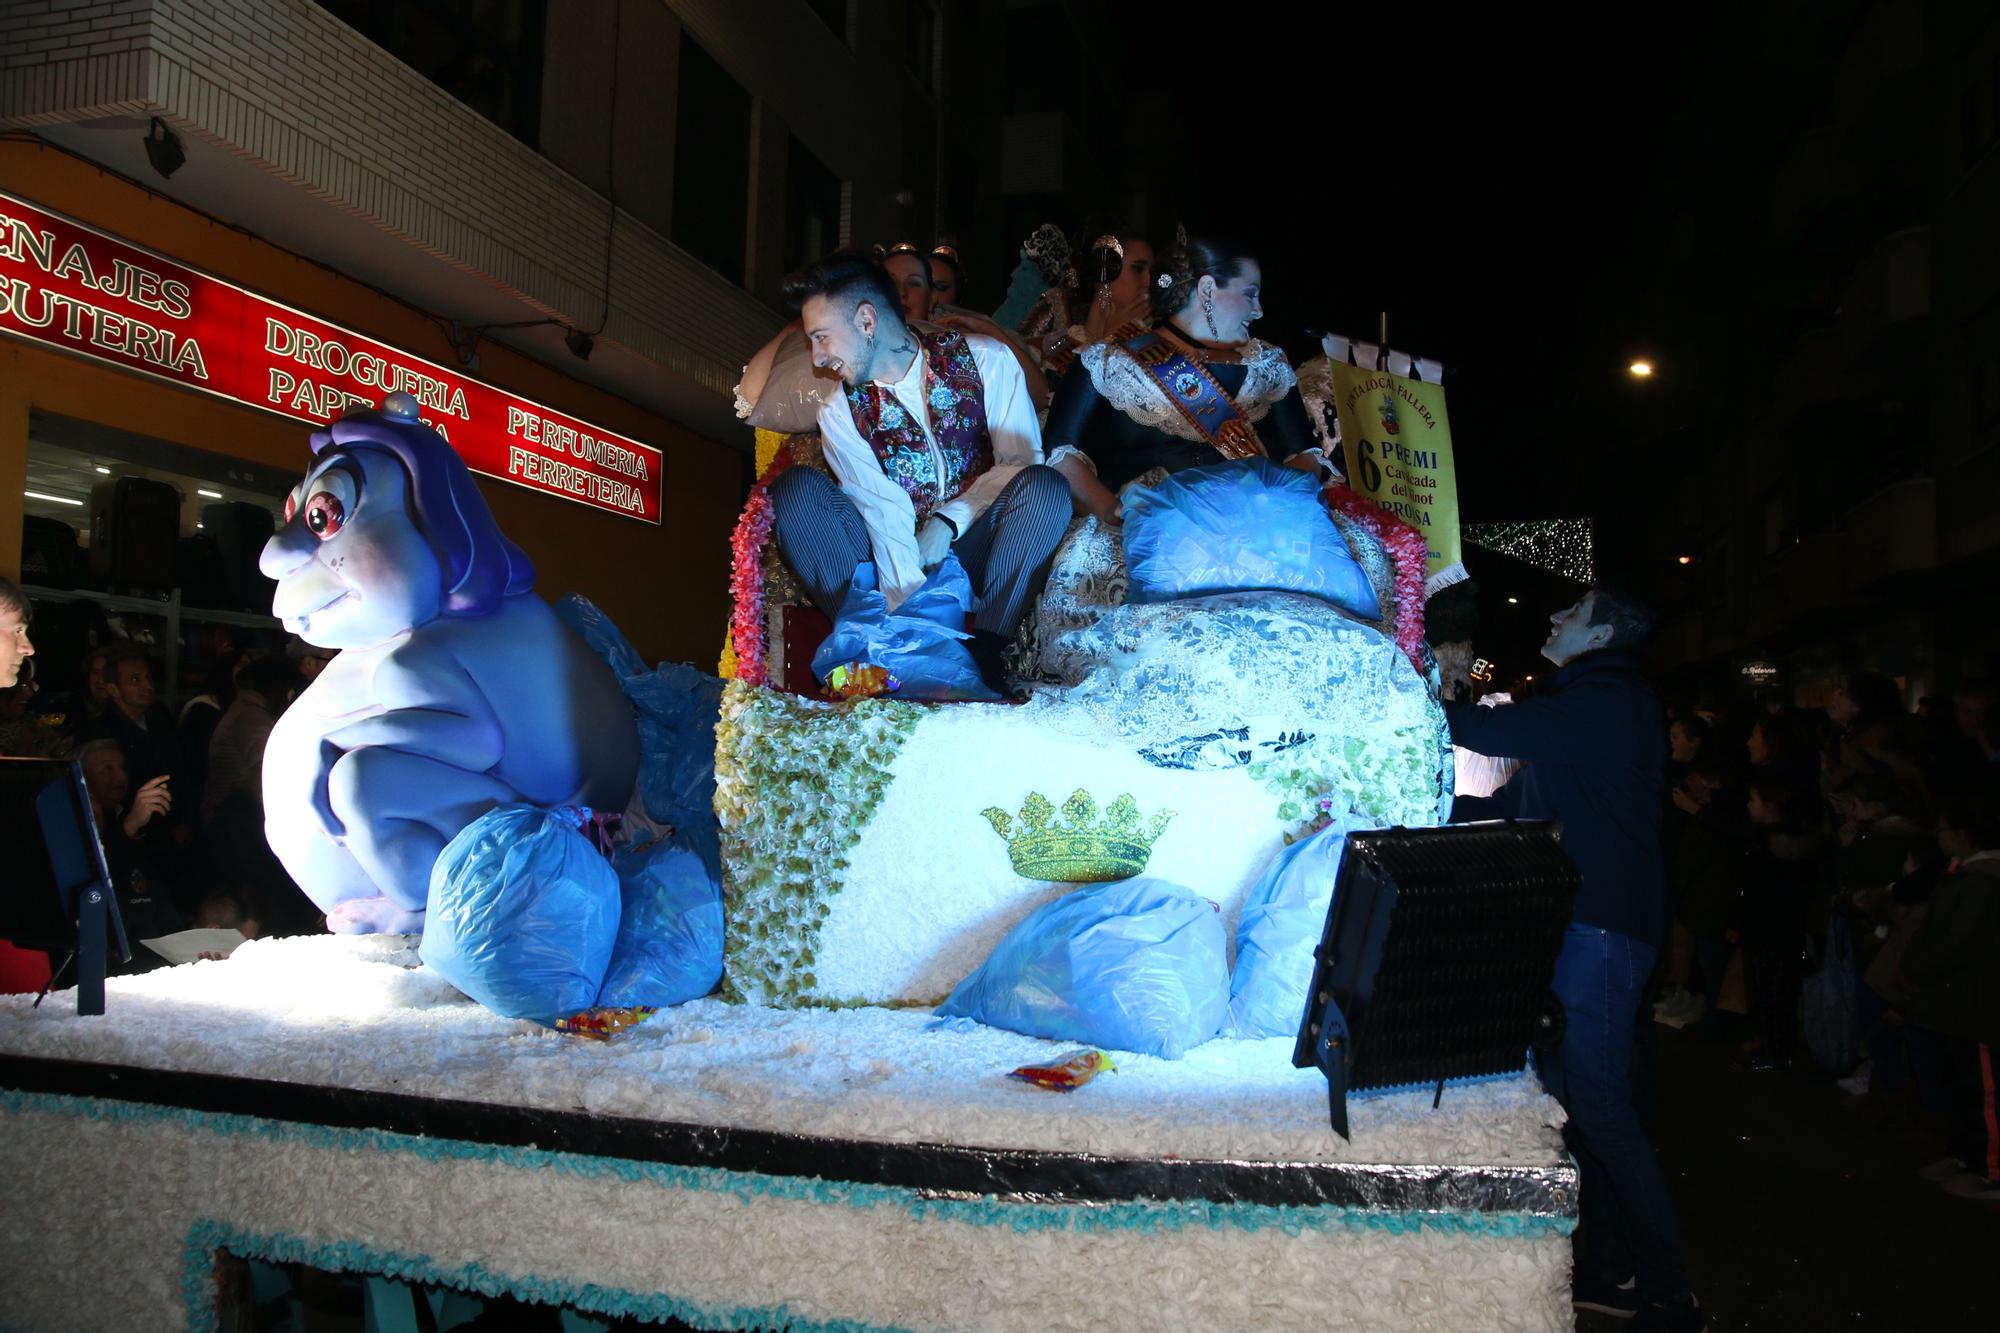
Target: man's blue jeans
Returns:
[[1627, 1226]]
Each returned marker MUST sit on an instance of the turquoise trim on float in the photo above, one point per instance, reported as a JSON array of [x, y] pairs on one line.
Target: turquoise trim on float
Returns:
[[210, 1234]]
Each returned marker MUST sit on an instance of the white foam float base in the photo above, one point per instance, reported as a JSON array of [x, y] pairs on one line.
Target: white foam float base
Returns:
[[117, 1203]]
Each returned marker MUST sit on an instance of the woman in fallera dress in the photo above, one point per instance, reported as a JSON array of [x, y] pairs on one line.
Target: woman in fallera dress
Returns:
[[1194, 389]]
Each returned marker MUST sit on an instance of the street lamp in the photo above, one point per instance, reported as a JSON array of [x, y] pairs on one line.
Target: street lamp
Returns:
[[1641, 370]]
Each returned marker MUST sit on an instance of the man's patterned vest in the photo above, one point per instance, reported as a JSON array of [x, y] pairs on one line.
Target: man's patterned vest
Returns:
[[955, 401]]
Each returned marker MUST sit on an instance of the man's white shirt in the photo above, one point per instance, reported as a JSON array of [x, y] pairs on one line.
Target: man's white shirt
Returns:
[[886, 507]]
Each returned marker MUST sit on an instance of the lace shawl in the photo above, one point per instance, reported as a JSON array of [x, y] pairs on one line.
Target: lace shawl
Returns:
[[1127, 386]]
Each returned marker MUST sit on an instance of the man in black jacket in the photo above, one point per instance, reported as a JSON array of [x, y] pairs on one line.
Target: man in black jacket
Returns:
[[1596, 760]]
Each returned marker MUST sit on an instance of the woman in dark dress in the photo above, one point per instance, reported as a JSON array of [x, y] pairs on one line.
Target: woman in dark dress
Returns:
[[1196, 389]]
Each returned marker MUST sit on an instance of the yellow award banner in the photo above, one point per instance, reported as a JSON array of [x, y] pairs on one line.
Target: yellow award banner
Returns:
[[1397, 439]]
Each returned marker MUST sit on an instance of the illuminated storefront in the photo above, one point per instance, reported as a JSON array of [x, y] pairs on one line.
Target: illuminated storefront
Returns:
[[146, 349]]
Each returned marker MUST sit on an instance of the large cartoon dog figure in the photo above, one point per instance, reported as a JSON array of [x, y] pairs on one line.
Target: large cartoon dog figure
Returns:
[[456, 688]]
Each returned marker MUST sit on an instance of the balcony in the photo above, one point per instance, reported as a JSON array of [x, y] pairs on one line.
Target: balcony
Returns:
[[1802, 186], [1971, 512], [1884, 104], [1886, 304], [1810, 380], [1894, 531], [1804, 577]]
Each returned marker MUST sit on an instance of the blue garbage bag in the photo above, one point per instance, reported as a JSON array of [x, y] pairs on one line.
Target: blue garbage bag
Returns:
[[678, 708], [1131, 965], [1282, 921], [669, 945], [922, 644], [1230, 527], [522, 912]]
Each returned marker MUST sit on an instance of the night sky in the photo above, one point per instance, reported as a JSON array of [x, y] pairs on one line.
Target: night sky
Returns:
[[1476, 168]]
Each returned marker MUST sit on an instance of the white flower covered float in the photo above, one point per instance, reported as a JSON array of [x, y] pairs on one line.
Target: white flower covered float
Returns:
[[859, 863], [456, 688]]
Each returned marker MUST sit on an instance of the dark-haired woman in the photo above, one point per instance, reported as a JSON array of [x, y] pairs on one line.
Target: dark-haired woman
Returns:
[[945, 275], [1119, 267], [1193, 390]]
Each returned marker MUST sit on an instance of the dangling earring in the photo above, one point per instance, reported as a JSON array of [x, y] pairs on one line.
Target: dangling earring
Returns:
[[1208, 313], [1104, 297]]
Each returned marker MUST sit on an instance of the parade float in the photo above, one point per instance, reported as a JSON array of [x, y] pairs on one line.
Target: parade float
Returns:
[[808, 1146]]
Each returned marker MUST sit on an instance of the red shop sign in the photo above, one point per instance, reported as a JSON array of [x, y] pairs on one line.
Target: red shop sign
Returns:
[[71, 286]]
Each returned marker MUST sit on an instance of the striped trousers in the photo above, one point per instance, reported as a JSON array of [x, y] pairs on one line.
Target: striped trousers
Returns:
[[1006, 552]]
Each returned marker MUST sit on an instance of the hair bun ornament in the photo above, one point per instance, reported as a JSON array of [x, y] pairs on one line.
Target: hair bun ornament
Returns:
[[1111, 243], [1164, 281]]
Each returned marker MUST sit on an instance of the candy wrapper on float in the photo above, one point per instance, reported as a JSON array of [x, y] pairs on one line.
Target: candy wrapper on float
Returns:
[[1067, 1072]]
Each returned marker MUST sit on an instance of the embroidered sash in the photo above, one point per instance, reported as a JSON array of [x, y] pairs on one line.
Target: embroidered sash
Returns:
[[1196, 395], [1059, 361], [955, 405]]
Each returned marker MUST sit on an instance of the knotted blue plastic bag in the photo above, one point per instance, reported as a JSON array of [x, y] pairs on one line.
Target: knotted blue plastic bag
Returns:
[[1132, 965], [922, 645], [1282, 921], [678, 710], [1230, 527], [669, 945], [522, 912]]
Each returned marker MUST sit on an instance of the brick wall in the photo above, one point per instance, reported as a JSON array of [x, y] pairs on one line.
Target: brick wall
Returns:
[[289, 88]]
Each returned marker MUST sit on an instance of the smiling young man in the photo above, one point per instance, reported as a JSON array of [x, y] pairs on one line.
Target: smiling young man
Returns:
[[934, 443], [1596, 760]]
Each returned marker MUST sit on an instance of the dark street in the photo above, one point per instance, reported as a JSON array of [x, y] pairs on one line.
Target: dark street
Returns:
[[1801, 1207]]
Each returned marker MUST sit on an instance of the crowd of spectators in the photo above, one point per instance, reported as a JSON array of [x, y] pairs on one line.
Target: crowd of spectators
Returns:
[[177, 795], [1835, 876]]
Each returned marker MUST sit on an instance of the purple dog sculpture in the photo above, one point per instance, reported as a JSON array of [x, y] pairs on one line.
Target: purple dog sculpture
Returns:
[[456, 689]]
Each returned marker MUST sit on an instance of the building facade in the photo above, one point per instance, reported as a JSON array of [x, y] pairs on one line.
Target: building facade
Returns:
[[1811, 480], [579, 212]]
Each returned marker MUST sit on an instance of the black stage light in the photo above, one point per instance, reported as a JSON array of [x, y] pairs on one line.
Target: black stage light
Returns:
[[163, 149], [1437, 957], [579, 343]]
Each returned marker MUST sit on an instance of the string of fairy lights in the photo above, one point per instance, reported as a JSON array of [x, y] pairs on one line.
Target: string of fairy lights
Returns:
[[1562, 546]]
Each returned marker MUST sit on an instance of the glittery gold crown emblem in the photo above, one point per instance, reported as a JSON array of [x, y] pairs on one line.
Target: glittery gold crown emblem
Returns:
[[1079, 848]]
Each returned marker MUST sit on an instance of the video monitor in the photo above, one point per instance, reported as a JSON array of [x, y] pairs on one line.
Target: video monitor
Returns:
[[57, 892]]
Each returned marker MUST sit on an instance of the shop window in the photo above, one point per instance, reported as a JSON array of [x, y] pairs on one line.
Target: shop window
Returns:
[[486, 53], [812, 200], [711, 163], [133, 538]]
